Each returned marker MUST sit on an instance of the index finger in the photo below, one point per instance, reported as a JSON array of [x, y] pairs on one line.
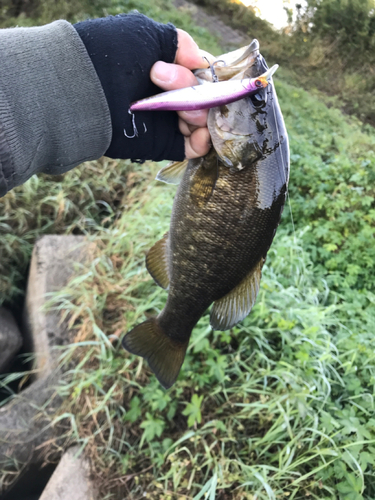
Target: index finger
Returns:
[[189, 54]]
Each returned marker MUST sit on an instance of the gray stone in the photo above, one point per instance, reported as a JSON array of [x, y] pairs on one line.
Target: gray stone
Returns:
[[52, 264], [26, 431], [71, 479], [25, 426], [10, 339]]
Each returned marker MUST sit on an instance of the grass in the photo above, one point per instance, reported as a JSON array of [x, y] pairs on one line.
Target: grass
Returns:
[[69, 203], [281, 406], [274, 408]]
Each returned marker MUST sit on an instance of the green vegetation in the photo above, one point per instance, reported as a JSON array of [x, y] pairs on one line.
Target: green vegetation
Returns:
[[282, 406], [331, 47], [332, 189], [348, 23], [37, 12]]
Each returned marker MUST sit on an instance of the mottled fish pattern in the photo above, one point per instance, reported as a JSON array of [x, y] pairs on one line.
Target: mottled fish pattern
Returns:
[[225, 215]]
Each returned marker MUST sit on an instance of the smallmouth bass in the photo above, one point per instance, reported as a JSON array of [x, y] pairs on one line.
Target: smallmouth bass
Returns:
[[225, 215]]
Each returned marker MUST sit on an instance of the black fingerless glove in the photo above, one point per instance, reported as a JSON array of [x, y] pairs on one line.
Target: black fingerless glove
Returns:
[[123, 49]]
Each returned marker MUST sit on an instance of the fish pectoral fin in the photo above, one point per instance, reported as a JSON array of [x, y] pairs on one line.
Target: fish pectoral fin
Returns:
[[173, 172], [164, 355], [204, 182], [237, 304], [157, 262]]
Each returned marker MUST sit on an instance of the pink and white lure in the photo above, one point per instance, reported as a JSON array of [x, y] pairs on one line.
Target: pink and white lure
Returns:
[[204, 96]]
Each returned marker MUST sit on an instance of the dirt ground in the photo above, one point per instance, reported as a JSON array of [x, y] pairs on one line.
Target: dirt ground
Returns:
[[228, 37]]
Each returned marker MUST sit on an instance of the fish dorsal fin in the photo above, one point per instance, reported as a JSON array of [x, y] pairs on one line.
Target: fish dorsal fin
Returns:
[[157, 262], [164, 355], [237, 304], [204, 182], [173, 172]]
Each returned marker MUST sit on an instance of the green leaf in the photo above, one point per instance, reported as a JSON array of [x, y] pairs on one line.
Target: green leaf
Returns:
[[193, 410], [152, 427], [135, 410], [350, 487]]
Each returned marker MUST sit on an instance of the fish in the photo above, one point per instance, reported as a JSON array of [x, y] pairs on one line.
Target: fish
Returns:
[[204, 96], [225, 214]]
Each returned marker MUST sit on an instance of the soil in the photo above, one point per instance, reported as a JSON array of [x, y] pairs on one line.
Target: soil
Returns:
[[228, 37]]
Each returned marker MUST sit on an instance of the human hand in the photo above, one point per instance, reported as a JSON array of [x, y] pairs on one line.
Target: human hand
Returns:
[[192, 124], [124, 49]]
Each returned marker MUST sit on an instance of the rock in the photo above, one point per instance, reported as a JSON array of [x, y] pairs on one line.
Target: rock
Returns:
[[10, 339], [25, 423], [71, 479], [52, 264]]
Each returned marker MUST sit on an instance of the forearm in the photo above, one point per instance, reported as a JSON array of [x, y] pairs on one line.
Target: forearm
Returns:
[[53, 111]]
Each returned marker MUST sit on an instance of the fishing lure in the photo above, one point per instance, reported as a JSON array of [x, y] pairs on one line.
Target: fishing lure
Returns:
[[204, 96]]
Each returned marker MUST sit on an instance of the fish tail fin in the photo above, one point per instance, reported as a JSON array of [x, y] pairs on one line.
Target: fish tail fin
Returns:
[[164, 355]]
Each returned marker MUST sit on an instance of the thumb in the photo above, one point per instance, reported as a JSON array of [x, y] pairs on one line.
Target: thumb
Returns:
[[188, 53]]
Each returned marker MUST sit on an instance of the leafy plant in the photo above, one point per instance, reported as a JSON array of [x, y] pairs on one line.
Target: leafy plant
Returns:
[[193, 410]]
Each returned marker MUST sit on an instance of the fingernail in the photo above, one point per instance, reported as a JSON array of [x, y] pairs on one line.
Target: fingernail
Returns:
[[163, 72], [194, 113]]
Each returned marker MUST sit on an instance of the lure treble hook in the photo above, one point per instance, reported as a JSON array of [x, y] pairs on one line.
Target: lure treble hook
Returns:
[[215, 79]]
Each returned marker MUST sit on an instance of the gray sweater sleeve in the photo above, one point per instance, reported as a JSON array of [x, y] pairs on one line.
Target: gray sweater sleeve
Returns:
[[53, 111]]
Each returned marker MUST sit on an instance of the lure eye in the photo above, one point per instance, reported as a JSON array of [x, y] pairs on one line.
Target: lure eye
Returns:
[[258, 84]]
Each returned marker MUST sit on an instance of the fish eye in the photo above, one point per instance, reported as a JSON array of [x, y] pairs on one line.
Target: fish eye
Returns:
[[258, 84], [258, 100]]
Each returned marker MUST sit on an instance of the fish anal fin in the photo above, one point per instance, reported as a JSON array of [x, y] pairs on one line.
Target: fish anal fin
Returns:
[[237, 304], [173, 172], [157, 262], [164, 355], [204, 181]]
